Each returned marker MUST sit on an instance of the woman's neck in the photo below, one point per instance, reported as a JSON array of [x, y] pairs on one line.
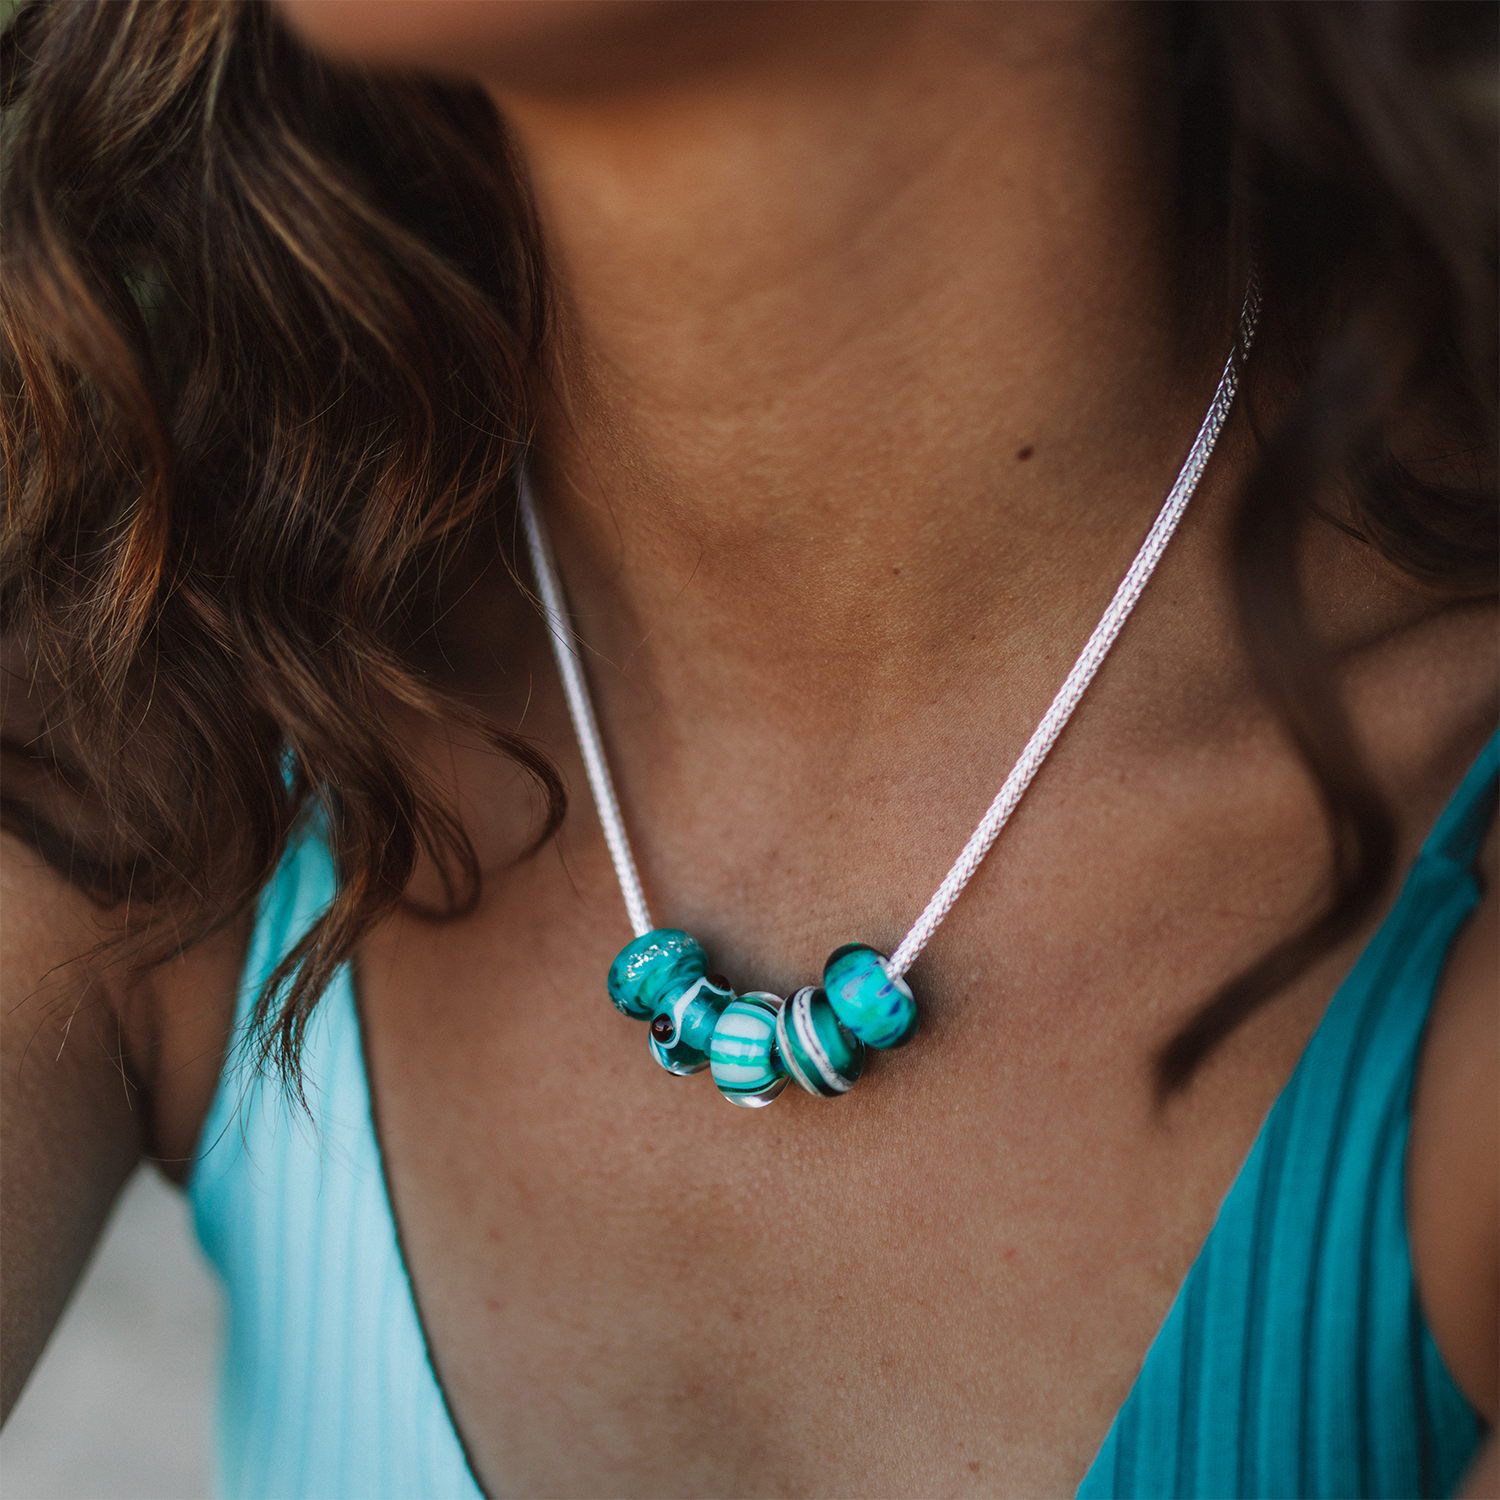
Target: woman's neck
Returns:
[[867, 366]]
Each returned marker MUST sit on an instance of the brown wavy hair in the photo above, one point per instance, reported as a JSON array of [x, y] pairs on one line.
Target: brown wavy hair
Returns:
[[270, 326]]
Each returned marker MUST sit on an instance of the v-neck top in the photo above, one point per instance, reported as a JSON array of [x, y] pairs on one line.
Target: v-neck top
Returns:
[[1295, 1360]]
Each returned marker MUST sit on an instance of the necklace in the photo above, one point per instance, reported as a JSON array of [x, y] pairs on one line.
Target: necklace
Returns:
[[753, 1043]]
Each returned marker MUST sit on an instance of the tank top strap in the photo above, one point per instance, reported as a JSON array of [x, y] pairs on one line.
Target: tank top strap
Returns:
[[1295, 1359], [327, 1390], [1461, 828], [302, 889]]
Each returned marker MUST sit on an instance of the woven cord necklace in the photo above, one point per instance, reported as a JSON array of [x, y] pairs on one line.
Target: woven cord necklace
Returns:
[[753, 1043]]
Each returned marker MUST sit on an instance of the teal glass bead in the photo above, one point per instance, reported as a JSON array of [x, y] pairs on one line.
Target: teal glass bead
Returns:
[[742, 1051], [683, 1022], [817, 1049], [877, 1008], [647, 967]]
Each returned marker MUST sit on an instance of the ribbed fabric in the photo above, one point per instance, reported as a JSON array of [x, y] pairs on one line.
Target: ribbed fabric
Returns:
[[1294, 1361], [327, 1389]]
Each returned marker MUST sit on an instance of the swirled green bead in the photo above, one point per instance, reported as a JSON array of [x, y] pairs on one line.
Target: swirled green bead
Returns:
[[817, 1049], [682, 1024], [647, 967], [876, 1007], [742, 1051]]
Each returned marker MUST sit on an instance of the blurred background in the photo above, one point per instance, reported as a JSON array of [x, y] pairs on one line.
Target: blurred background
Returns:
[[121, 1405]]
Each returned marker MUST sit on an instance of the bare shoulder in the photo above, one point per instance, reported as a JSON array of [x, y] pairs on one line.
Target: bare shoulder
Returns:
[[61, 982], [101, 1060], [70, 1114], [1453, 1162]]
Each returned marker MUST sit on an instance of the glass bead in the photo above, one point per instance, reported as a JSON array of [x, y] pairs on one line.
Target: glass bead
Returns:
[[742, 1051], [876, 1007], [649, 966], [684, 1021], [818, 1050]]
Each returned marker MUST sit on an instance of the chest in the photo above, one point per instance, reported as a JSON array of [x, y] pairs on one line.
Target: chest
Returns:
[[942, 1282]]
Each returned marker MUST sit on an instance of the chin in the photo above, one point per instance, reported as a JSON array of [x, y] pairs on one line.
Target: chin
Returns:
[[523, 39]]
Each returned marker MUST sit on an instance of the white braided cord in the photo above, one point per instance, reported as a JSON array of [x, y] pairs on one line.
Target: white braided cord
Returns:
[[1043, 738], [1055, 720], [581, 708]]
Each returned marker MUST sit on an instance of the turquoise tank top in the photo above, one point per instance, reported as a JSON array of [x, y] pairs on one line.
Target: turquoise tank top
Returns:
[[1294, 1361]]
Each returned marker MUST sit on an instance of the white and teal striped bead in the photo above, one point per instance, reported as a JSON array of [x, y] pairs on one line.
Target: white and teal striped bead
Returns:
[[650, 966], [742, 1052], [817, 1049], [683, 1023], [876, 1006]]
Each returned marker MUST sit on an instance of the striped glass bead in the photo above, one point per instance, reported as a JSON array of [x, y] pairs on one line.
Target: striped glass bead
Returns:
[[818, 1050], [682, 1024], [742, 1051], [649, 966], [877, 1008]]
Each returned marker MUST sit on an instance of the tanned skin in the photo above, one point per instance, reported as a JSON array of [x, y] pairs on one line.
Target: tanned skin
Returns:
[[866, 383]]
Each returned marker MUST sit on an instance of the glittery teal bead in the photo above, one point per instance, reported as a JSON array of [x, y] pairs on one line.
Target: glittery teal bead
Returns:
[[647, 967], [878, 1009], [742, 1051], [683, 1022], [819, 1051]]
